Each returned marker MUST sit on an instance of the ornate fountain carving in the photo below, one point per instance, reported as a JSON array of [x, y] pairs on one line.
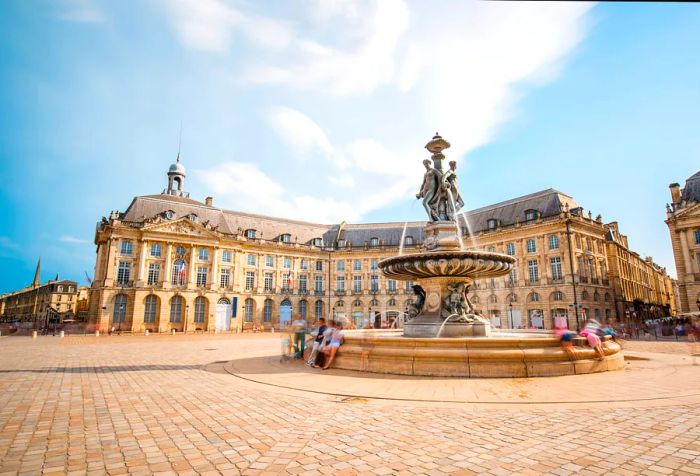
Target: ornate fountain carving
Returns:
[[445, 271]]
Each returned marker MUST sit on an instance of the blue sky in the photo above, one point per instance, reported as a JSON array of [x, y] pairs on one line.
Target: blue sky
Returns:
[[320, 110]]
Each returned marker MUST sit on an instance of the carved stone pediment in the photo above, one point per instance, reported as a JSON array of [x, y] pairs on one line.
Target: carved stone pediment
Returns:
[[183, 226]]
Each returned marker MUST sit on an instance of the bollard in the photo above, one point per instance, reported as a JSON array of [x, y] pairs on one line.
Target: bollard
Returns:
[[62, 334], [97, 333], [173, 332], [146, 332], [33, 334], [272, 330]]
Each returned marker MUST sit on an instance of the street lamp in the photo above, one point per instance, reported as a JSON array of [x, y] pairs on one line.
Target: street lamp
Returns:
[[121, 316], [510, 307], [698, 303]]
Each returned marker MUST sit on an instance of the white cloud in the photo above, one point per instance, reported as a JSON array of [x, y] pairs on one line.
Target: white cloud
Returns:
[[300, 132], [72, 239], [211, 24], [81, 11]]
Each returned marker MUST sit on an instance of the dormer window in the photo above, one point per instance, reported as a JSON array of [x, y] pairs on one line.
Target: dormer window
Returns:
[[286, 238], [492, 223], [250, 233], [374, 242], [318, 242], [531, 215], [341, 244], [169, 214], [192, 217], [408, 240]]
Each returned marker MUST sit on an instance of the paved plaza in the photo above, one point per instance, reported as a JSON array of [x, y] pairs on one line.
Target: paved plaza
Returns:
[[212, 404]]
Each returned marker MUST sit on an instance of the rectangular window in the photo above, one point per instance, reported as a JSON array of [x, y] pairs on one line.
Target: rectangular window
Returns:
[[268, 282], [555, 264], [533, 271], [513, 276], [251, 260], [357, 265], [391, 285], [510, 249], [302, 283], [203, 254], [340, 266], [340, 283], [318, 284], [409, 286], [374, 283], [531, 246], [374, 265], [249, 280], [319, 265], [357, 283], [269, 262], [225, 277], [127, 247], [153, 273], [553, 242], [697, 237], [287, 263], [155, 250], [60, 289], [123, 272], [201, 276], [578, 242], [226, 256], [304, 264]]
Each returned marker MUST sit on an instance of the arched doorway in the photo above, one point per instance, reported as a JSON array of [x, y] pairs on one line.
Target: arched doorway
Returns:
[[177, 312], [119, 312], [200, 313], [249, 309], [223, 315], [285, 313], [151, 314]]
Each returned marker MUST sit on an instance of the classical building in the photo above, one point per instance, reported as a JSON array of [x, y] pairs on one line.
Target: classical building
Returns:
[[52, 301], [173, 263], [683, 220]]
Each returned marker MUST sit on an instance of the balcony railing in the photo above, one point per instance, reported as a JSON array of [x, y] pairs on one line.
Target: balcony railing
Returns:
[[583, 279], [319, 292], [606, 282], [532, 282], [556, 280], [340, 292], [286, 290], [357, 291], [303, 292], [393, 291], [594, 281]]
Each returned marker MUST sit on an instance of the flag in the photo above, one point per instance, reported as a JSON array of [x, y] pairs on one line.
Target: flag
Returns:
[[289, 279], [181, 272], [87, 276]]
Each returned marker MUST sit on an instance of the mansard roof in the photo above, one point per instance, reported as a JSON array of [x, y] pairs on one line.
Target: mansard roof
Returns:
[[547, 203], [691, 191]]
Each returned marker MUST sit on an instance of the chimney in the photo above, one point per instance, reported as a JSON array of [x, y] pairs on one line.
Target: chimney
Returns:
[[208, 201], [675, 193]]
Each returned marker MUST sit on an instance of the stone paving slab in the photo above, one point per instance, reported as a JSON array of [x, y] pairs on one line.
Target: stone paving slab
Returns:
[[136, 405]]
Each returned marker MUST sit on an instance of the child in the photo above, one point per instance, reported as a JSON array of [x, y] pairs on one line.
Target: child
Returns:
[[334, 345]]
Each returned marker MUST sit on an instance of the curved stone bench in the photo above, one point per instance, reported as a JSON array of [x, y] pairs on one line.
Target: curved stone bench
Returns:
[[535, 355]]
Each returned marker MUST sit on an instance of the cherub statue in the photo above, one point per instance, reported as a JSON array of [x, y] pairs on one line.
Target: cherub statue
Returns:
[[415, 308]]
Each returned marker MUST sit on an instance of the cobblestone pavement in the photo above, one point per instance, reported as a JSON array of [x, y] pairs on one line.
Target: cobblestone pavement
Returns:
[[148, 405]]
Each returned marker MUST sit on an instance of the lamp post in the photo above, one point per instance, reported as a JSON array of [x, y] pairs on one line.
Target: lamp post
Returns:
[[510, 307], [121, 317], [698, 303]]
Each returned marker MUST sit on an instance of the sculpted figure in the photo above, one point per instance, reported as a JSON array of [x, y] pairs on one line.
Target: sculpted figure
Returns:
[[449, 186], [415, 308], [430, 191]]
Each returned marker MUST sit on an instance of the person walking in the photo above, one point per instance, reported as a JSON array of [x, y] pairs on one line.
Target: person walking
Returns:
[[299, 326]]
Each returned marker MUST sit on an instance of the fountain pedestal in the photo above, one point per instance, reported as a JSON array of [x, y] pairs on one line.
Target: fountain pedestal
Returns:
[[432, 321]]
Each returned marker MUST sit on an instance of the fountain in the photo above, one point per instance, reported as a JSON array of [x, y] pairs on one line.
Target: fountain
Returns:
[[442, 333]]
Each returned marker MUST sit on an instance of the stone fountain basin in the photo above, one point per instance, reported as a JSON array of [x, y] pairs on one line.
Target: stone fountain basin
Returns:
[[501, 355], [449, 264]]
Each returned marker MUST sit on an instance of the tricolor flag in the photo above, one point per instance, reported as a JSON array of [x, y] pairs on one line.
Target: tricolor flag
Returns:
[[181, 272], [289, 279]]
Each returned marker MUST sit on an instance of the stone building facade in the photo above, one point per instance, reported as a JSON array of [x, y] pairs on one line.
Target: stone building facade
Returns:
[[172, 263], [54, 300], [683, 220]]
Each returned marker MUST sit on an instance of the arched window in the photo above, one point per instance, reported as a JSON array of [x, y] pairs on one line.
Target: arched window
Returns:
[[374, 242], [534, 297], [357, 303], [512, 298], [119, 315], [493, 299], [340, 304], [475, 299], [267, 310], [531, 215], [223, 301], [585, 296], [318, 242], [318, 309], [557, 296], [192, 217], [200, 309], [249, 309], [492, 223], [607, 297], [150, 308], [176, 309], [374, 302], [286, 238], [179, 273], [302, 308], [391, 303], [408, 240], [596, 296]]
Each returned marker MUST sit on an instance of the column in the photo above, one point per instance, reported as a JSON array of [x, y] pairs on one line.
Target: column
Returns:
[[168, 266], [214, 282], [141, 270], [109, 263], [690, 265], [99, 265], [193, 276]]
